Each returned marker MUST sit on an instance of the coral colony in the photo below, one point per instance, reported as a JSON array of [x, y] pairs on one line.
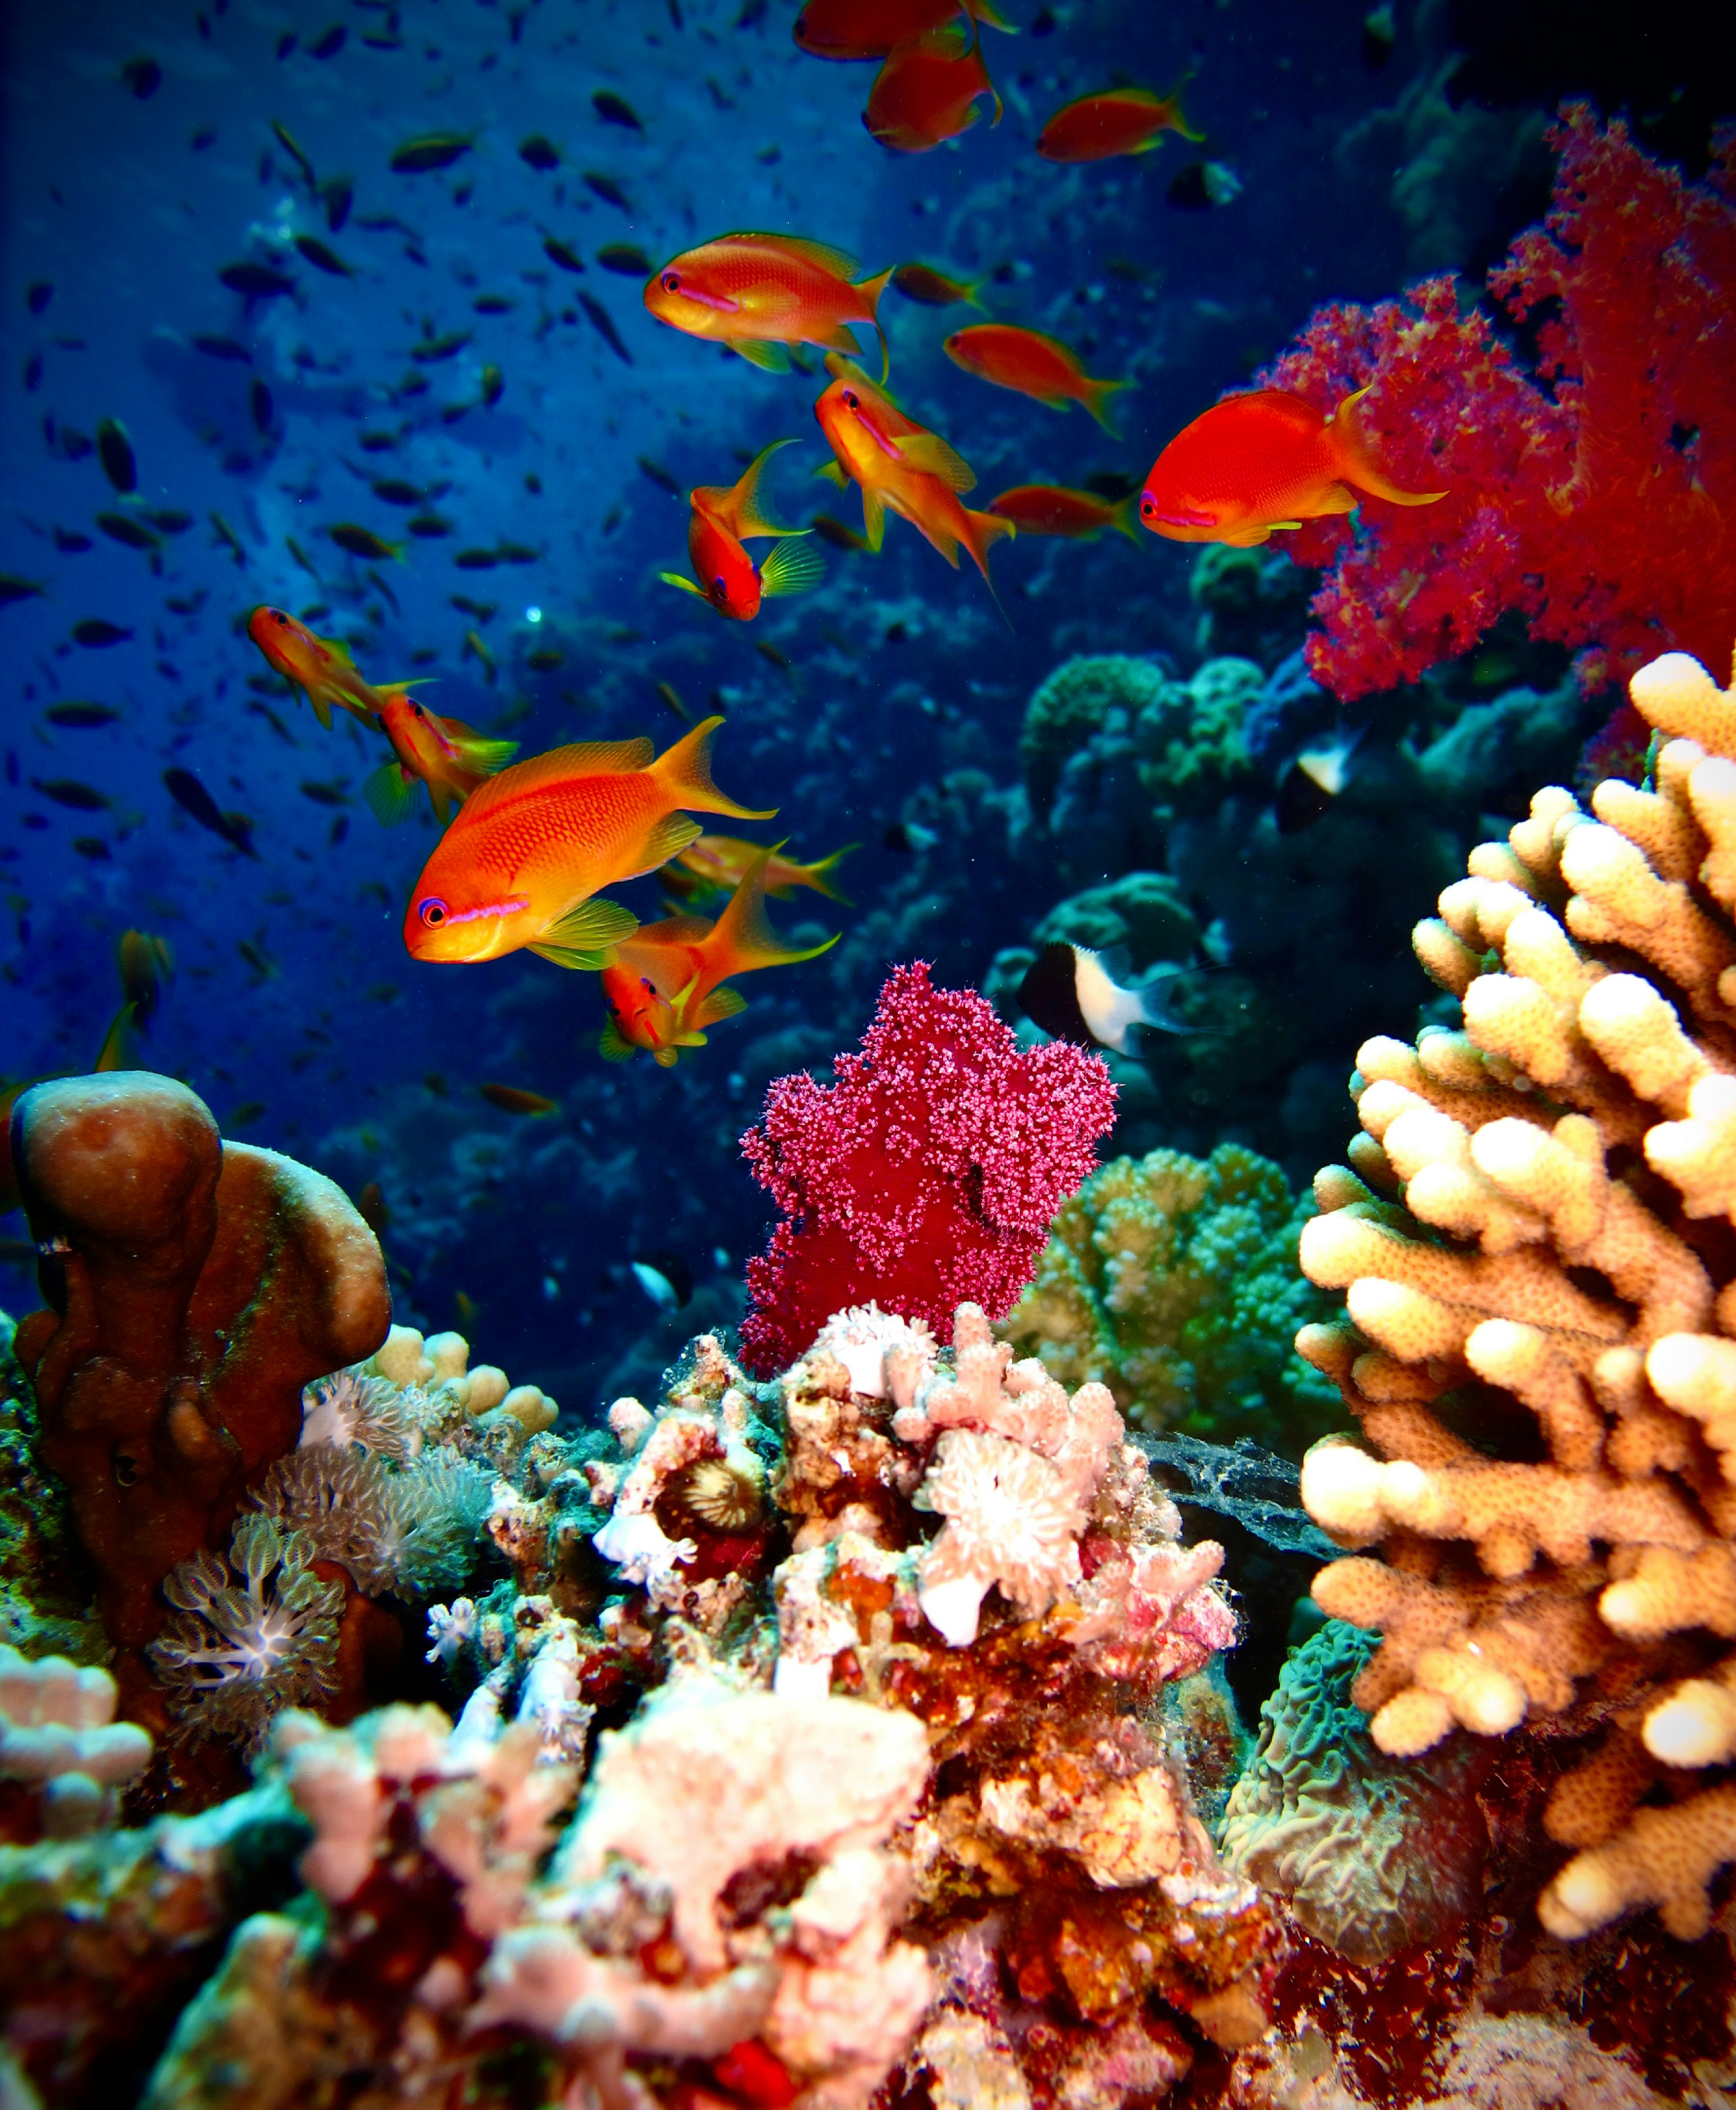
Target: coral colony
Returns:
[[1043, 1633]]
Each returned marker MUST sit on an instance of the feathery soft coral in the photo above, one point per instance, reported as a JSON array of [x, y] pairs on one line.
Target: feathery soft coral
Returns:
[[925, 1177], [1600, 498]]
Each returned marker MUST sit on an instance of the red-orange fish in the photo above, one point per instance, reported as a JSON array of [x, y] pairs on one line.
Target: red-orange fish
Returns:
[[662, 984], [1258, 462], [724, 518], [761, 293], [927, 91], [901, 464], [1032, 363], [1124, 120], [444, 753], [319, 667], [1051, 509], [870, 28], [520, 864], [722, 862]]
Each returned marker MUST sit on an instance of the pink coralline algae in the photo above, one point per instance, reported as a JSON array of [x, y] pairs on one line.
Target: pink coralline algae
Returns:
[[926, 1176], [1598, 500]]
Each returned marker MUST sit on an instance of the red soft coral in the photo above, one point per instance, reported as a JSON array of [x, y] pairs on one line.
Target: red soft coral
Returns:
[[1605, 511], [925, 1177]]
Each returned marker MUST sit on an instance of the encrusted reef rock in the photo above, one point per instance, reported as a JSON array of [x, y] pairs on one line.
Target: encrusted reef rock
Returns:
[[196, 1287], [1534, 1237]]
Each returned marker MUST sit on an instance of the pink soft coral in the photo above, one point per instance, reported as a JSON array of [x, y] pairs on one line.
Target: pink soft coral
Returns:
[[926, 1176], [1605, 511]]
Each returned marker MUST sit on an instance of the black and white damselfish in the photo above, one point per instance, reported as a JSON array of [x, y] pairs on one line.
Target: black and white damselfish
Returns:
[[1072, 994]]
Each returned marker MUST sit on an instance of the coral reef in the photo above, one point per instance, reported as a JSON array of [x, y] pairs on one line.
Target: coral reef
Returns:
[[1532, 1236], [62, 1753], [1541, 513], [1172, 1279], [925, 1175], [45, 1581], [196, 1287]]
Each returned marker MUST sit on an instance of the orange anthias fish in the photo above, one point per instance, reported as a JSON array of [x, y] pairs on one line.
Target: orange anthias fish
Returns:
[[529, 849], [724, 517], [761, 293], [662, 983], [934, 289], [1051, 509], [1265, 460], [444, 753], [1032, 363], [870, 28], [1124, 120], [723, 861], [926, 91], [319, 667], [901, 464]]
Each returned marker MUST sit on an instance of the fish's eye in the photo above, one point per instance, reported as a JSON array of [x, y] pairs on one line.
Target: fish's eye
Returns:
[[278, 616], [433, 912], [719, 591], [644, 984], [1147, 505], [853, 401], [671, 282], [416, 710]]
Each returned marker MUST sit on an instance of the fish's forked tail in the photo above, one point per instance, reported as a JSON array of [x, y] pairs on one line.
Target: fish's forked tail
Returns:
[[684, 774], [1358, 460], [870, 290], [822, 873], [1122, 516], [743, 939], [1095, 399], [983, 10], [982, 530]]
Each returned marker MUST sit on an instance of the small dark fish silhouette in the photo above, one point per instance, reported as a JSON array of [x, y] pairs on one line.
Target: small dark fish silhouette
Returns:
[[123, 528], [428, 524], [260, 403], [558, 252], [94, 848], [607, 189], [334, 791], [322, 258], [336, 194], [38, 295], [68, 791], [509, 1099], [476, 560], [395, 492], [493, 386], [433, 150], [255, 281], [767, 650], [362, 541], [143, 75], [837, 533], [615, 110], [221, 347], [624, 257], [114, 451], [604, 327], [69, 543], [434, 349], [81, 717], [331, 42], [94, 631], [538, 153], [516, 553], [292, 146], [190, 795], [492, 304], [660, 476], [167, 520], [13, 588], [671, 697]]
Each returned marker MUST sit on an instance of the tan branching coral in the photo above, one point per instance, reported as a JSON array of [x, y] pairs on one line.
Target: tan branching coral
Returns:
[[1527, 1206]]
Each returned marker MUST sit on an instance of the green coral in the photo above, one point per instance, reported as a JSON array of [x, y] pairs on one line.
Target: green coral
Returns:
[[1174, 1280], [45, 1584], [1071, 706], [1145, 911], [1374, 1854]]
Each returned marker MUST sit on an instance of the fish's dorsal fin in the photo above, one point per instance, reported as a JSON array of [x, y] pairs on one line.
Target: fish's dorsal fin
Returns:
[[742, 938], [590, 757], [820, 253], [739, 510], [930, 454]]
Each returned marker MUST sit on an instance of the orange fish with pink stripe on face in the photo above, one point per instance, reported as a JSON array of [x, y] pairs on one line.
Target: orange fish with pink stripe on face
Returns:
[[900, 463], [1121, 120], [450, 758], [531, 849], [1031, 363], [724, 518], [1262, 461], [662, 984], [761, 293], [870, 29], [927, 91]]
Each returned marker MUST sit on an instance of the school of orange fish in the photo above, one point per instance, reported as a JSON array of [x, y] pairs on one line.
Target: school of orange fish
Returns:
[[532, 845]]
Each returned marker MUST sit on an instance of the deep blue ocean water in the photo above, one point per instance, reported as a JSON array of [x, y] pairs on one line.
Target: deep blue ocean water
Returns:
[[140, 161]]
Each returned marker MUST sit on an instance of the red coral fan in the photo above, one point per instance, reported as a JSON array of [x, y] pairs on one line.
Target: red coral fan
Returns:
[[1602, 503], [925, 1177]]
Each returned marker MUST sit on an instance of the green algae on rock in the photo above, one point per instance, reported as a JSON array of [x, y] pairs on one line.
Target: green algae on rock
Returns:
[[1172, 1280]]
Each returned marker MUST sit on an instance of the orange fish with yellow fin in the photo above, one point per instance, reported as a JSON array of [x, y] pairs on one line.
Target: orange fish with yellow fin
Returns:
[[718, 863], [724, 518], [664, 983], [445, 754], [530, 850], [761, 293], [320, 667]]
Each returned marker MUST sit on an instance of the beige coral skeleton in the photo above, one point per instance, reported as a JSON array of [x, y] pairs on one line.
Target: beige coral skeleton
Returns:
[[1538, 1202]]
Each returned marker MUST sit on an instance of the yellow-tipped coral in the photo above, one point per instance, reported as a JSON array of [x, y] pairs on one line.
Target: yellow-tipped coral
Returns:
[[1524, 1211]]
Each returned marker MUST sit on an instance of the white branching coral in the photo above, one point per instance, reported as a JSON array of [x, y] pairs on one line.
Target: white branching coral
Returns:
[[354, 1408], [408, 1531], [248, 1644], [58, 1732], [1521, 1209]]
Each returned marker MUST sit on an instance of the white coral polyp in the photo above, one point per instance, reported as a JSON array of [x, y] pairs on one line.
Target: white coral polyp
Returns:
[[862, 1336], [1011, 1520]]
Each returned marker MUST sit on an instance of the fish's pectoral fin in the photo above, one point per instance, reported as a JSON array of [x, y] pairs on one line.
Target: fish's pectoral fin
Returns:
[[874, 517], [687, 585], [592, 925], [1272, 526], [611, 1045], [720, 1004], [792, 568], [667, 840], [771, 358], [391, 794], [833, 472], [322, 707], [929, 453]]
